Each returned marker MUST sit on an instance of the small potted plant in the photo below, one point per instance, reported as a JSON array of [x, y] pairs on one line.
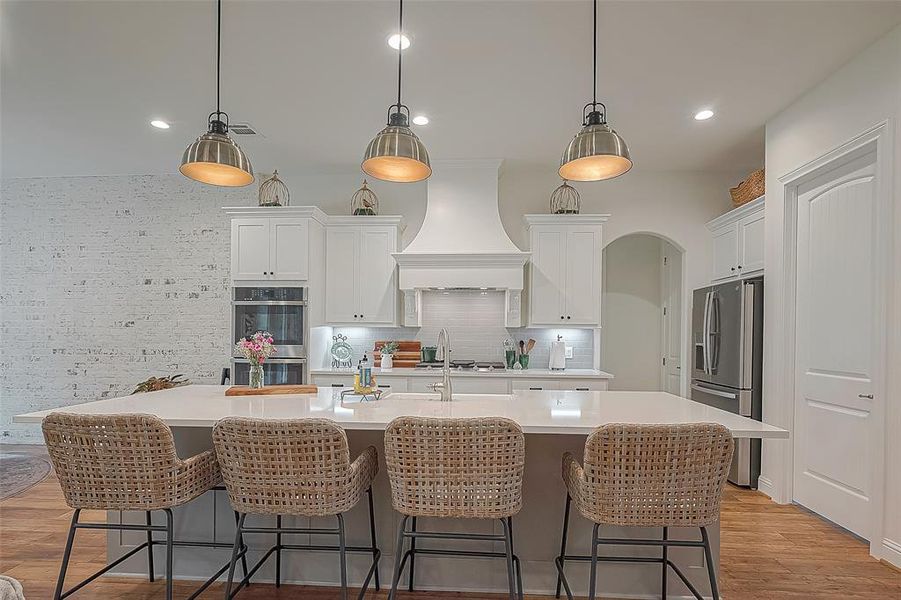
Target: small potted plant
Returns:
[[256, 349], [388, 351]]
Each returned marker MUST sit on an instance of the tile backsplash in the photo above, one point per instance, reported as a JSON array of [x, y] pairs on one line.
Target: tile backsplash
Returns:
[[474, 320]]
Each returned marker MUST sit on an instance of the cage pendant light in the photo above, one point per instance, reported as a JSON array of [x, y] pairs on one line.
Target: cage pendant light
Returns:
[[215, 158], [396, 153], [597, 152]]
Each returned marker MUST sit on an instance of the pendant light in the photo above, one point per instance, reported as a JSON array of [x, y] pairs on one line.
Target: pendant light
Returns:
[[596, 152], [396, 153], [214, 158]]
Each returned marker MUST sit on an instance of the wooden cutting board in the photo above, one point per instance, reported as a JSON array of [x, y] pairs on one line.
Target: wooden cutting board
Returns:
[[409, 353], [270, 390]]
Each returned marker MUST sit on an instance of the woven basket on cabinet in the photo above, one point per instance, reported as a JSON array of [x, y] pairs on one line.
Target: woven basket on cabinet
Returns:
[[750, 189]]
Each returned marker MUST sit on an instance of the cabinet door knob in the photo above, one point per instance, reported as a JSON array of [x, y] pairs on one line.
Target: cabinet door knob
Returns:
[[561, 316], [355, 316], [733, 268], [739, 267], [361, 316], [569, 317]]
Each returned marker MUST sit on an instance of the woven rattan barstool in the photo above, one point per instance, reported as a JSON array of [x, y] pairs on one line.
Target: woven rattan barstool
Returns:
[[126, 462], [294, 467], [455, 468], [648, 476]]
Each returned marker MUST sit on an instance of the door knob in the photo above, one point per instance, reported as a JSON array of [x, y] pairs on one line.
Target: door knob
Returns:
[[867, 396]]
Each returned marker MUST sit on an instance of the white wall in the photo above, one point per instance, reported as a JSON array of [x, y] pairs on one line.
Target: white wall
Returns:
[[632, 311], [862, 94]]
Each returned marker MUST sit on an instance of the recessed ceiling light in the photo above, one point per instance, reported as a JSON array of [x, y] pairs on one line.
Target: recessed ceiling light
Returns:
[[159, 124], [420, 120], [399, 40], [703, 115]]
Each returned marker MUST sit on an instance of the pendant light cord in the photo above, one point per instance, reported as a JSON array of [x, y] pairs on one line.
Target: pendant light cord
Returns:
[[400, 46], [594, 99], [218, 52]]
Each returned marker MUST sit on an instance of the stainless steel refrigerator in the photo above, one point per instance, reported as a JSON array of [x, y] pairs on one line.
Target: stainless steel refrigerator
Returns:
[[727, 360]]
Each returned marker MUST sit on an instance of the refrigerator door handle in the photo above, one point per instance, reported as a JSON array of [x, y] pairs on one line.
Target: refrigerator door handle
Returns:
[[707, 390], [713, 333], [705, 342]]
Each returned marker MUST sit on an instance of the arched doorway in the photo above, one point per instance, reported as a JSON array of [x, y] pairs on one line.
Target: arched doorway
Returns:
[[642, 319]]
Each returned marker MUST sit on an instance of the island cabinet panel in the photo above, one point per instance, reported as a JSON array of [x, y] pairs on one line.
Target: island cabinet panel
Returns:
[[737, 240], [270, 249], [565, 270], [361, 282]]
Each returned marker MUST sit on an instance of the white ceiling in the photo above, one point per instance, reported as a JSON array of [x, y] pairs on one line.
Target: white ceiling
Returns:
[[81, 79]]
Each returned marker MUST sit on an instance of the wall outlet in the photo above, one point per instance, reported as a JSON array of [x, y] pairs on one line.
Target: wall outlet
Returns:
[[569, 352]]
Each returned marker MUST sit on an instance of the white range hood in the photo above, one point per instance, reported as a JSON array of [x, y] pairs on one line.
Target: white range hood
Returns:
[[462, 243]]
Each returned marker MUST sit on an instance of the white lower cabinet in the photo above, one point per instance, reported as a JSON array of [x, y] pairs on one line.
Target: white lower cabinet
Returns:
[[491, 384], [572, 385], [737, 240]]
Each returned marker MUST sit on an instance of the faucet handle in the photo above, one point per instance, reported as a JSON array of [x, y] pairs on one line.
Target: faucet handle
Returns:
[[436, 386]]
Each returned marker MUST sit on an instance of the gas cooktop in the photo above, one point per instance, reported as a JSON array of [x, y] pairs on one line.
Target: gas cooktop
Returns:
[[464, 365]]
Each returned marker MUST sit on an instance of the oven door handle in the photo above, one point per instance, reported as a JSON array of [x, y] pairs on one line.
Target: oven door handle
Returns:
[[269, 303]]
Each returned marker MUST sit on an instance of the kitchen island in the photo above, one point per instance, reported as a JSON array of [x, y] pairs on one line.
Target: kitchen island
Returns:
[[554, 421]]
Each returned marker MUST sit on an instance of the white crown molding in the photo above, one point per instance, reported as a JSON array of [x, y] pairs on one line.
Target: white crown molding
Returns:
[[598, 219], [383, 220], [736, 214], [311, 212]]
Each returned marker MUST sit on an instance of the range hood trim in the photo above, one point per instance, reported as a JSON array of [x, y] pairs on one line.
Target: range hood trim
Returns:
[[461, 260]]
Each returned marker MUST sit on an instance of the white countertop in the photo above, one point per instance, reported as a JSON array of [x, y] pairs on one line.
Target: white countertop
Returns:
[[501, 373], [549, 411]]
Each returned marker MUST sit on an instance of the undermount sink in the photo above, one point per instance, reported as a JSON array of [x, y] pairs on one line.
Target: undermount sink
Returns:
[[435, 397]]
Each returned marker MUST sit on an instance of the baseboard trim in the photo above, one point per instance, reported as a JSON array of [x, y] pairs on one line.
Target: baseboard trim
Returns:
[[891, 553], [766, 486]]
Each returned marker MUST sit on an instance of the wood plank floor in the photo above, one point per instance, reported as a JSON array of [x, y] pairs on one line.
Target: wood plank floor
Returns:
[[769, 552]]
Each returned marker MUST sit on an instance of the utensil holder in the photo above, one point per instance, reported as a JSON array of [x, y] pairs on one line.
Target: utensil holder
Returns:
[[510, 358], [524, 361]]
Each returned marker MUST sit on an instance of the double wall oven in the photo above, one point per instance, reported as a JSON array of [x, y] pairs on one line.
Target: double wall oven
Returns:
[[282, 312]]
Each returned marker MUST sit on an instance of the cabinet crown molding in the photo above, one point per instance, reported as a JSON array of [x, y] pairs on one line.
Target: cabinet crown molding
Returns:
[[597, 219], [351, 220], [736, 214], [311, 212]]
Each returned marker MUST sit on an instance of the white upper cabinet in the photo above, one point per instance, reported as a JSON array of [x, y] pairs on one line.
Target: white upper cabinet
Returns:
[[272, 244], [738, 242], [361, 285], [565, 269]]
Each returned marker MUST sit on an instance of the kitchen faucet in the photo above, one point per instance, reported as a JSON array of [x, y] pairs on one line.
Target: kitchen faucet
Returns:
[[443, 353]]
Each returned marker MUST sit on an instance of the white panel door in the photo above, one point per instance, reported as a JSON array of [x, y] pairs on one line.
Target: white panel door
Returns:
[[838, 343], [582, 296], [342, 255], [289, 249], [250, 249], [378, 298], [548, 254], [751, 243], [725, 252], [671, 287]]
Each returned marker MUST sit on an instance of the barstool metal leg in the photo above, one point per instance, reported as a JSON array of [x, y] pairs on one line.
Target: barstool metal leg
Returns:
[[342, 552], [398, 557], [149, 549], [516, 565], [278, 552], [66, 554], [664, 567], [563, 542], [412, 556], [235, 550], [244, 555], [375, 552], [508, 548], [170, 538], [593, 576], [711, 571]]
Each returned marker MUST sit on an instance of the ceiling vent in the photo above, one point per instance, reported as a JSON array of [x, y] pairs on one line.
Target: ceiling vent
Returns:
[[242, 129]]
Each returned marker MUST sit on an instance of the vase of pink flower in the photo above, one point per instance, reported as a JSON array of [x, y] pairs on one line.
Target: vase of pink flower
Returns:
[[256, 349]]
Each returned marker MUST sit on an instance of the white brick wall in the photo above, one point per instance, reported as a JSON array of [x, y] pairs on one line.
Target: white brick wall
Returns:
[[105, 281]]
